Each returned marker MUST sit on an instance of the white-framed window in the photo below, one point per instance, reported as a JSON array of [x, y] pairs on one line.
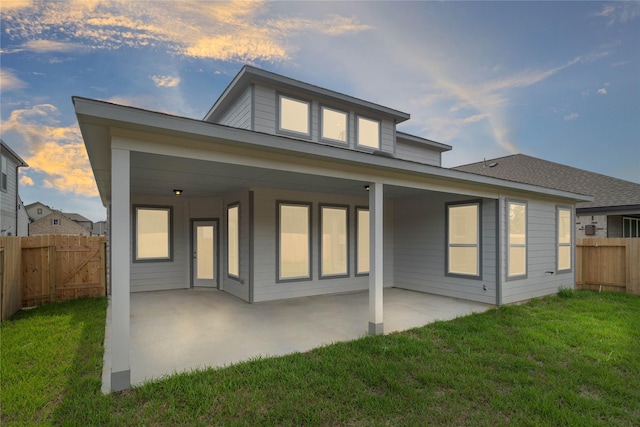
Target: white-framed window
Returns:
[[152, 237], [233, 240], [630, 227], [368, 132], [517, 235], [463, 239], [294, 115], [334, 247], [39, 211], [362, 241], [294, 241], [564, 226], [333, 124], [3, 177], [55, 221]]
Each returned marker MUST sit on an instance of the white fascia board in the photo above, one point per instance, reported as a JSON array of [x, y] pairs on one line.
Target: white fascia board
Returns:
[[112, 115]]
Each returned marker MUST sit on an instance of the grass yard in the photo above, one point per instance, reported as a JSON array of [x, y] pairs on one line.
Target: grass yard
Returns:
[[567, 360]]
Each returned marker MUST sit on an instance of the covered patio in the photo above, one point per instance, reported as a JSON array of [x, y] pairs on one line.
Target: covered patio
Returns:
[[180, 330]]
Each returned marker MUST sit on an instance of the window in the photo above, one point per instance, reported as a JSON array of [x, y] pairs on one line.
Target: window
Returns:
[[362, 241], [334, 124], [517, 255], [233, 241], [630, 227], [293, 115], [369, 133], [463, 239], [564, 239], [4, 174], [152, 240], [39, 211], [334, 247], [55, 221], [294, 241]]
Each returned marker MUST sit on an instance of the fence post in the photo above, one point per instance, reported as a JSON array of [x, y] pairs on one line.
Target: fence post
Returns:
[[52, 273]]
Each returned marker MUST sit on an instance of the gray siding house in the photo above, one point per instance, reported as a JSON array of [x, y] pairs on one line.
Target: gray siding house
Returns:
[[10, 204], [613, 212], [286, 189]]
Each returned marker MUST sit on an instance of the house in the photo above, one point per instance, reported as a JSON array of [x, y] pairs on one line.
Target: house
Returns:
[[57, 223], [614, 212], [99, 228], [23, 219], [46, 220], [9, 198], [286, 189]]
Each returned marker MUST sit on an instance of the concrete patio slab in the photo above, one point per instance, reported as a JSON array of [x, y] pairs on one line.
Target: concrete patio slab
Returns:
[[176, 331]]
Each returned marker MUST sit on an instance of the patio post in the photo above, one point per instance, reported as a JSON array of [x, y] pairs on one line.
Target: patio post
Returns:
[[120, 252], [375, 258]]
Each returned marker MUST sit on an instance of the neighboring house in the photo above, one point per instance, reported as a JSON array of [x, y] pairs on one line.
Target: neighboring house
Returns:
[[54, 224], [9, 198], [23, 219], [296, 190], [57, 223], [100, 228], [38, 210], [614, 212], [80, 220]]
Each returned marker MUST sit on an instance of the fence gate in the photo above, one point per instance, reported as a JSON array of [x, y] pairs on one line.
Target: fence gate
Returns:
[[59, 268]]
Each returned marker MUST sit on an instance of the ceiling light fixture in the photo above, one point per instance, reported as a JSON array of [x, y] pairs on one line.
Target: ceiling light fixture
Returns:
[[366, 187], [177, 192]]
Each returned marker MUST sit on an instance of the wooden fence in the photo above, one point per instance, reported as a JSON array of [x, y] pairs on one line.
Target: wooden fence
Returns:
[[608, 264], [55, 268], [11, 276]]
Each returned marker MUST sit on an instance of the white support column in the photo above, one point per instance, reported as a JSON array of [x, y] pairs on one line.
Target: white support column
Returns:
[[375, 258], [120, 277]]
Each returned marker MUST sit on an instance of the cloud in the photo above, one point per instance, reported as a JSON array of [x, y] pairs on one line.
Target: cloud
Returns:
[[619, 64], [602, 91], [619, 12], [45, 46], [233, 30], [57, 152], [26, 180], [166, 81], [9, 80], [571, 116]]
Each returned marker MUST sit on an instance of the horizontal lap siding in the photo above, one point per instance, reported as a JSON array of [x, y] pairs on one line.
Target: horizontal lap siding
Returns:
[[175, 274], [541, 257], [239, 114], [8, 206], [264, 110], [419, 244], [265, 286], [415, 153]]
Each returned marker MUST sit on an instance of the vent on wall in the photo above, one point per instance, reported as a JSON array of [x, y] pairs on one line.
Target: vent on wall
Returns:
[[590, 230]]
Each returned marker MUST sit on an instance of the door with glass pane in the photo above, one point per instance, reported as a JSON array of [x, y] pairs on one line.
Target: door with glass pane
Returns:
[[204, 252]]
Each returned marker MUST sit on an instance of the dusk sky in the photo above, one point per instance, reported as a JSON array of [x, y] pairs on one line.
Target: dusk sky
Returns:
[[555, 80]]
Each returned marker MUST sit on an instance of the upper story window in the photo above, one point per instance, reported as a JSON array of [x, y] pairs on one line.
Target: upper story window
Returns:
[[368, 131], [3, 183], [55, 221], [293, 115], [334, 124]]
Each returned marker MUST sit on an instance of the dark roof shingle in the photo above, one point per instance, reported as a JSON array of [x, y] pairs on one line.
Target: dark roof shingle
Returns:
[[607, 191]]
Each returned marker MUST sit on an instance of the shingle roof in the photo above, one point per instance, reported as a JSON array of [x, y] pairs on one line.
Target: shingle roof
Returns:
[[607, 191]]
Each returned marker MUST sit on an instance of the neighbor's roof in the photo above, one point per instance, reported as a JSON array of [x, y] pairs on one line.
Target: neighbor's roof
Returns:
[[19, 159], [76, 217], [249, 74], [607, 191]]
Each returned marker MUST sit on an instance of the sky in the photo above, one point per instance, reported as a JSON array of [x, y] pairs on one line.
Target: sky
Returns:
[[555, 80]]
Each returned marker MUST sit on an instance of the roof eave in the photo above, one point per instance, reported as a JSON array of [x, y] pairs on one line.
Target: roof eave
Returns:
[[109, 114]]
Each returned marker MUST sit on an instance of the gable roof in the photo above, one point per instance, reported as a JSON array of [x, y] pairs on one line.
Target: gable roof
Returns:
[[76, 217], [8, 150], [249, 74], [606, 190]]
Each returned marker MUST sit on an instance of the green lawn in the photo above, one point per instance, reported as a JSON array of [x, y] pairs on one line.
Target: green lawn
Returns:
[[568, 360]]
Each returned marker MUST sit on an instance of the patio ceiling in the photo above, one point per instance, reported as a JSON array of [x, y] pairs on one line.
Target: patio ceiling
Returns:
[[154, 174]]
